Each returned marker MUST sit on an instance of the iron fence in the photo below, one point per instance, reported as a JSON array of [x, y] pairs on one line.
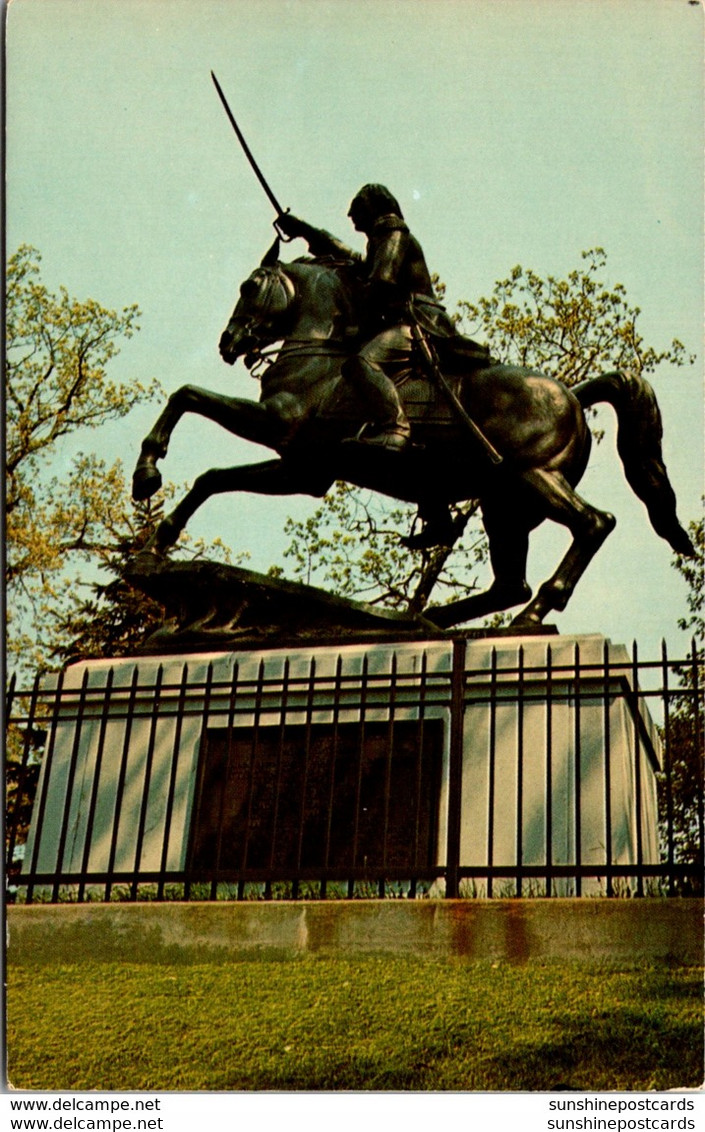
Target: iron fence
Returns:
[[534, 775]]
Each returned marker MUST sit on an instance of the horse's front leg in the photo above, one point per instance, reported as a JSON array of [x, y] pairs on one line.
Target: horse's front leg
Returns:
[[267, 422], [270, 477]]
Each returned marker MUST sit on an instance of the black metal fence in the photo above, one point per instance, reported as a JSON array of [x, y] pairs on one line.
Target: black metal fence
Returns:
[[550, 776]]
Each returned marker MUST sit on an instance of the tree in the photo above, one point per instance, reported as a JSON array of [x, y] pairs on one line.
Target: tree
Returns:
[[56, 384], [692, 570], [111, 618], [571, 328], [57, 353], [352, 539], [681, 792]]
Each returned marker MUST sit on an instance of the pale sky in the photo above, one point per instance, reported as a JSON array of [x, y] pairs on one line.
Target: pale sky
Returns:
[[516, 132]]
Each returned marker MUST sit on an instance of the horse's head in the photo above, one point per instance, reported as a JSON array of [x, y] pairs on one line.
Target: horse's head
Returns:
[[307, 300], [260, 316]]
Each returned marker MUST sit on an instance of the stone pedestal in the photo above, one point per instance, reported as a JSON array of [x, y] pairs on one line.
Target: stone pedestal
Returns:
[[558, 754], [565, 782]]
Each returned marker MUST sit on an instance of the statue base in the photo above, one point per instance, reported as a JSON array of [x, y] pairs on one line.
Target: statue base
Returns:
[[213, 606], [210, 605], [512, 767]]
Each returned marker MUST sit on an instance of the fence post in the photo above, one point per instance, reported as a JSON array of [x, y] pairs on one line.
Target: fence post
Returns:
[[549, 771], [667, 769], [149, 759], [104, 716], [122, 776], [520, 771], [180, 712], [697, 737], [606, 725], [577, 782], [75, 750], [14, 818], [491, 769], [455, 771], [637, 772]]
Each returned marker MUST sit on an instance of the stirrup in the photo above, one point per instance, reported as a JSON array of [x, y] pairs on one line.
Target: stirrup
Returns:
[[393, 438]]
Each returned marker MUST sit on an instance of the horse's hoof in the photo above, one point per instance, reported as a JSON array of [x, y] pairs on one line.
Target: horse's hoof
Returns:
[[525, 621], [147, 479]]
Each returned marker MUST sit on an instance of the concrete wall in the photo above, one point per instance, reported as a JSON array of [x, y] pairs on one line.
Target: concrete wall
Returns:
[[514, 931]]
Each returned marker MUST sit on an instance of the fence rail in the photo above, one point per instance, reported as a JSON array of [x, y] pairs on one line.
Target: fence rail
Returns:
[[539, 776]]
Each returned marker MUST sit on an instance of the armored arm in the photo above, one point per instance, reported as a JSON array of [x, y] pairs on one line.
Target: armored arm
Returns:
[[387, 254], [387, 285], [319, 241]]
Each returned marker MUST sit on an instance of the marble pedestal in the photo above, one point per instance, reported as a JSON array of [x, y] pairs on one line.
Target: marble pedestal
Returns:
[[558, 755]]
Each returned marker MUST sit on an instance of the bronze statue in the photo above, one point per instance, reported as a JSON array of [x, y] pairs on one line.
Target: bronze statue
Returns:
[[398, 294], [308, 408], [401, 320]]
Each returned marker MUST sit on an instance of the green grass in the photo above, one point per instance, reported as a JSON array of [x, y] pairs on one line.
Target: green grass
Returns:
[[343, 1023]]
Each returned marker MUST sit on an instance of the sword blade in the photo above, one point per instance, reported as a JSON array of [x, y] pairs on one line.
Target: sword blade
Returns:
[[247, 151]]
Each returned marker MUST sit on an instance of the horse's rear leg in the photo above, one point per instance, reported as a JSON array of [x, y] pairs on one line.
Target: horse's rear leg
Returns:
[[509, 545], [263, 423], [270, 477], [589, 528]]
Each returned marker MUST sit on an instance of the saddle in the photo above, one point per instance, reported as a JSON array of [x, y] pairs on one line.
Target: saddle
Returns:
[[423, 399], [458, 355]]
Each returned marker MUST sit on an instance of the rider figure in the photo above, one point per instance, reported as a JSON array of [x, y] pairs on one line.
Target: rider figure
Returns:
[[399, 295], [399, 292]]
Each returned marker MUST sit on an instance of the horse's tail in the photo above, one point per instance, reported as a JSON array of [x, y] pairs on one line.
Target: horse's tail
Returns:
[[639, 435]]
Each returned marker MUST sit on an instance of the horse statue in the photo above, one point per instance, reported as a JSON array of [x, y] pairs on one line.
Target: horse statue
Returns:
[[308, 413]]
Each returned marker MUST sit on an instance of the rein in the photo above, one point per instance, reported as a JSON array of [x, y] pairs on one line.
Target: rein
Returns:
[[298, 348], [325, 347], [274, 290]]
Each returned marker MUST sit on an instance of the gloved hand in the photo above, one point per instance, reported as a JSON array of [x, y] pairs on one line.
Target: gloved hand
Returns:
[[291, 225]]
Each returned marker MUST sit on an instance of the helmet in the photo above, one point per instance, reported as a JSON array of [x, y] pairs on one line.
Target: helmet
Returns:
[[371, 202]]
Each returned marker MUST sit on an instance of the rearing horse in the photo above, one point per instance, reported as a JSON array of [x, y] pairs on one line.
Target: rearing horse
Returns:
[[307, 410]]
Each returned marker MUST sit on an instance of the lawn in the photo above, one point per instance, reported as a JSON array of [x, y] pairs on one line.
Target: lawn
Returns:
[[366, 1023]]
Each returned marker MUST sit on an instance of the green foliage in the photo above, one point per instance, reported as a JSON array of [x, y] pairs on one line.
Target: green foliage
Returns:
[[351, 546], [572, 328], [681, 791], [57, 352], [353, 1023], [60, 528], [692, 570], [114, 618]]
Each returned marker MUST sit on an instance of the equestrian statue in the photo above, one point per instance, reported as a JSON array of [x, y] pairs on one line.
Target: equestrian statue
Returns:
[[364, 378]]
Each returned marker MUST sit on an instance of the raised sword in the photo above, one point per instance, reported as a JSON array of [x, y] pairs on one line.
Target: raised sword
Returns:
[[248, 154]]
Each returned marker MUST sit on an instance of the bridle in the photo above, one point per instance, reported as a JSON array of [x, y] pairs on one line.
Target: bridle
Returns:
[[274, 292]]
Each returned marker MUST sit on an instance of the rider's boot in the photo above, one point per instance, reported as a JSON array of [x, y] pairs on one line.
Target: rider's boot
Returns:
[[438, 529], [388, 427]]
